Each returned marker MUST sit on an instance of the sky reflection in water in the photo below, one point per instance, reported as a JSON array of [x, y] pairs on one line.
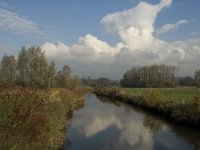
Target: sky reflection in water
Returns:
[[103, 125]]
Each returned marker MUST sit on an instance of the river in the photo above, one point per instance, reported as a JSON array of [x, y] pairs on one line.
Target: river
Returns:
[[103, 124]]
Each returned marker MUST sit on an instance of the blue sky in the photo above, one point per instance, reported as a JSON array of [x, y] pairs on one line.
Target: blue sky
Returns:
[[39, 22]]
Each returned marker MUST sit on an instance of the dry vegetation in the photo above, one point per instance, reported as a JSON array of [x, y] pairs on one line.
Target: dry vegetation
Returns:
[[35, 119]]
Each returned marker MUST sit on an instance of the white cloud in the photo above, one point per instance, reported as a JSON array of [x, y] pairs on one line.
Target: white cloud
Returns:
[[89, 49], [171, 27], [12, 21], [137, 46], [135, 27]]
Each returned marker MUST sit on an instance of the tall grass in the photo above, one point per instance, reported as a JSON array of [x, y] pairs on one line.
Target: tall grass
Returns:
[[34, 119], [185, 112], [176, 94]]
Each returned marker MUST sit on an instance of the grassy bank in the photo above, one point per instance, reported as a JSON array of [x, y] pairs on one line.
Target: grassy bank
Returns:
[[33, 119], [176, 94], [180, 105]]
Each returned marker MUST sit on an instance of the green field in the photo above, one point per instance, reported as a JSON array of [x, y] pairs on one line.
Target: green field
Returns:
[[181, 104], [178, 94]]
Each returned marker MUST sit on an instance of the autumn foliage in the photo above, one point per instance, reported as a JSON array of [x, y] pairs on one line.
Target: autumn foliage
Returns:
[[34, 119]]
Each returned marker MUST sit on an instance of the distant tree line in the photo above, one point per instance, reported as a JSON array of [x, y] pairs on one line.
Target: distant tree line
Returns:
[[158, 76], [150, 76], [98, 82], [186, 81], [197, 77], [31, 69]]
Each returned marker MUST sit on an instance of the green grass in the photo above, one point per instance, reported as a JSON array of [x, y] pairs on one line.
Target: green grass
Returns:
[[178, 94], [181, 105]]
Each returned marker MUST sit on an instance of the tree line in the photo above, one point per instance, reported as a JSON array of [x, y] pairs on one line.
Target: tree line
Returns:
[[31, 69], [102, 81], [157, 76], [197, 77]]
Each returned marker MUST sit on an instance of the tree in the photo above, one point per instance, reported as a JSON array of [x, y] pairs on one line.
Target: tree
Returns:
[[38, 68], [186, 81], [51, 75], [8, 69], [74, 82], [65, 80], [150, 76], [23, 67], [65, 75], [197, 77], [32, 70], [58, 79]]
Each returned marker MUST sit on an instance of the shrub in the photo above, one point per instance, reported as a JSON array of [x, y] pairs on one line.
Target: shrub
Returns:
[[109, 91], [153, 98], [34, 119], [22, 118], [166, 107], [188, 112]]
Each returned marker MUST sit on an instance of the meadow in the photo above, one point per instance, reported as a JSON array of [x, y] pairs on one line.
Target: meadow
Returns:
[[179, 105], [179, 94]]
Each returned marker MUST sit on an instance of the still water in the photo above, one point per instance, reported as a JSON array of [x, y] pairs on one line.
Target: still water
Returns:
[[104, 125]]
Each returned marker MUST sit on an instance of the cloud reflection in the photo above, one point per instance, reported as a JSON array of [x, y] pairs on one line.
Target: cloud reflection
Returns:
[[130, 131]]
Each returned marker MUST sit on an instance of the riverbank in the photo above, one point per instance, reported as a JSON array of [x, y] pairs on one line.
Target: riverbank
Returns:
[[184, 112], [36, 119]]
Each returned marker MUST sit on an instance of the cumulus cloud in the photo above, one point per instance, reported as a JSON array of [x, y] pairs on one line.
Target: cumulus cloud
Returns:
[[89, 49], [135, 27], [137, 45], [170, 27]]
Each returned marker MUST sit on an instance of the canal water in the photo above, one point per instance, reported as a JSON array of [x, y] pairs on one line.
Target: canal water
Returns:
[[106, 124]]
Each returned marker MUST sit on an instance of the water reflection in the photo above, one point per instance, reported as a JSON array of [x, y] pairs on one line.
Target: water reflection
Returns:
[[93, 126], [153, 124], [107, 125]]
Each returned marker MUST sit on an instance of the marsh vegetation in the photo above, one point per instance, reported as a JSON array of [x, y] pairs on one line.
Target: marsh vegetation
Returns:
[[36, 101], [35, 119]]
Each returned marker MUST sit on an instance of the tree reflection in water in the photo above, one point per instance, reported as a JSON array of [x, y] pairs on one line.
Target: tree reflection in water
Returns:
[[154, 125]]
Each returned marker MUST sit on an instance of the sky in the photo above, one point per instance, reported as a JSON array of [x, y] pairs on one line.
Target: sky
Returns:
[[105, 38]]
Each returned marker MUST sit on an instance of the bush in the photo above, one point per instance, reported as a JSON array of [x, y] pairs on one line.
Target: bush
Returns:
[[188, 111], [166, 107], [153, 98], [22, 118], [109, 91], [34, 119]]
